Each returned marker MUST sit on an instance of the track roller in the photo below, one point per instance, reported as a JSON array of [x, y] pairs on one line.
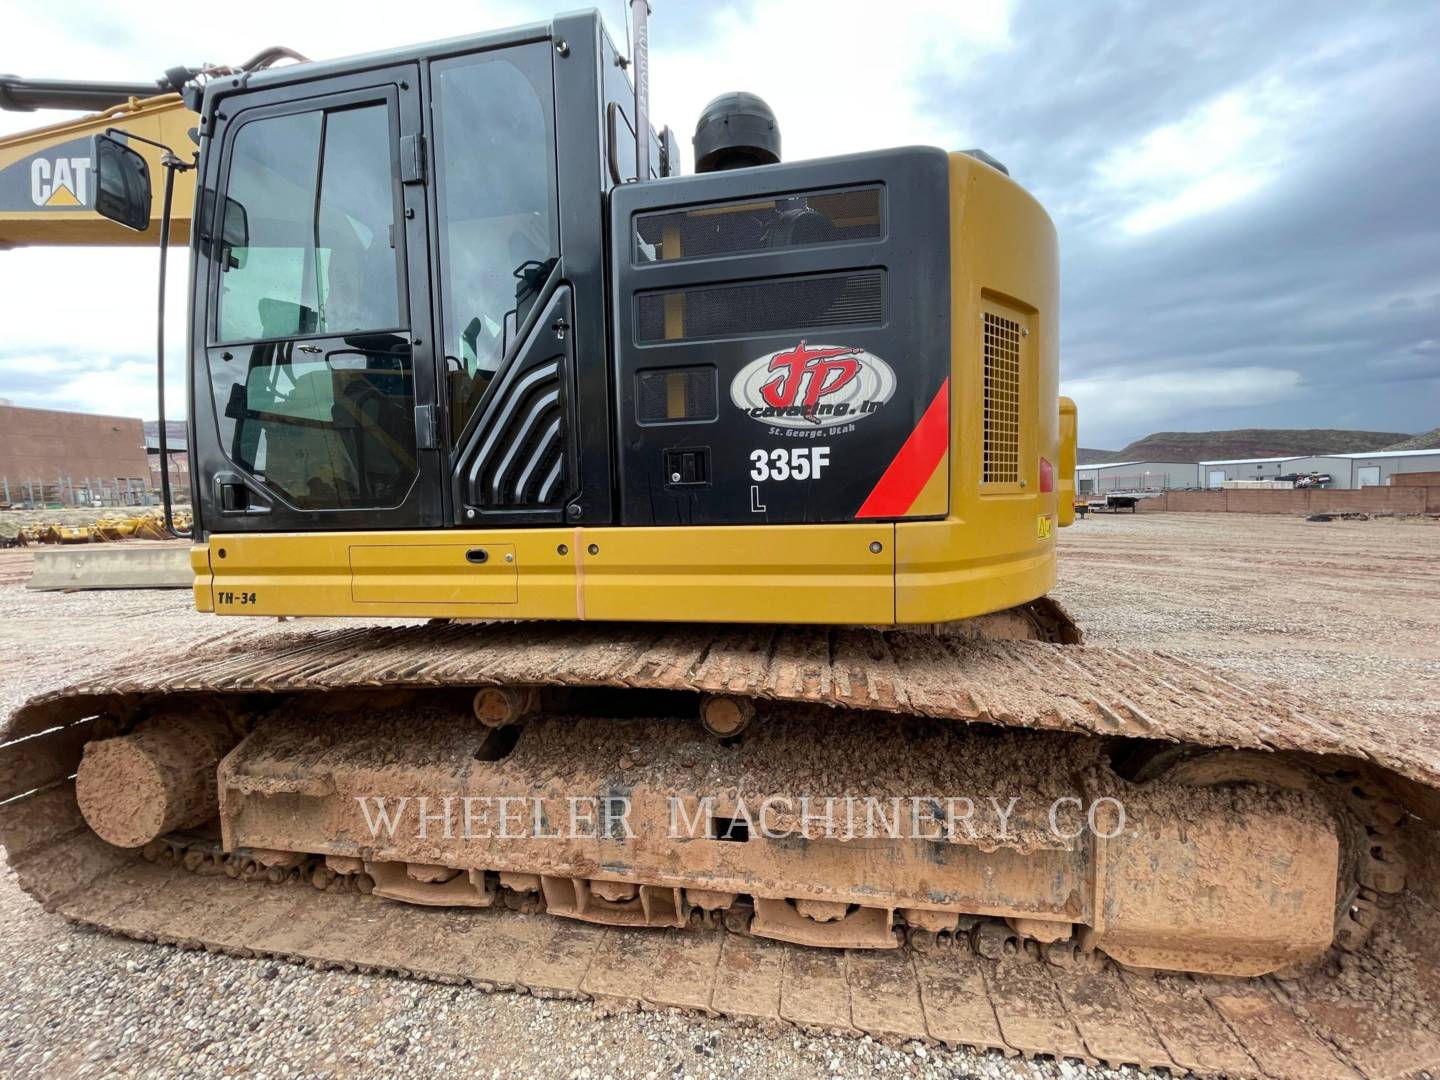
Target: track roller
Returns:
[[501, 706], [726, 717]]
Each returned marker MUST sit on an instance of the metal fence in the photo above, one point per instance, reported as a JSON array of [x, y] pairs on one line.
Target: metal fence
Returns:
[[36, 492]]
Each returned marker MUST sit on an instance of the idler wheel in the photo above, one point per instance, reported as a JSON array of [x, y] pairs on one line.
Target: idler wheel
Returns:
[[159, 778]]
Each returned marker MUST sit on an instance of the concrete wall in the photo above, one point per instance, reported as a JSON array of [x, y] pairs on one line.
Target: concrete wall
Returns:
[[43, 446], [1416, 479], [1394, 500]]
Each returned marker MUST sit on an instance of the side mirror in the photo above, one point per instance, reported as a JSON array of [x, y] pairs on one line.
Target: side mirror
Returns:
[[232, 245], [235, 234], [122, 183]]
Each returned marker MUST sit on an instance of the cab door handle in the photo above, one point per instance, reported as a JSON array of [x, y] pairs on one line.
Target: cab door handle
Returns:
[[477, 556]]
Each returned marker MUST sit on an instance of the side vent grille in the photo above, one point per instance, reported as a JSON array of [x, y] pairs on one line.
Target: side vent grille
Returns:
[[520, 463], [761, 224], [676, 395], [1002, 400], [854, 298]]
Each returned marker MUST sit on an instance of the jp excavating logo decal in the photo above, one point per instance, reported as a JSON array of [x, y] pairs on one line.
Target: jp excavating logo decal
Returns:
[[813, 386], [56, 178]]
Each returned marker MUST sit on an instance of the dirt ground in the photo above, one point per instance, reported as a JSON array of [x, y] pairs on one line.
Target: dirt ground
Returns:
[[1345, 613]]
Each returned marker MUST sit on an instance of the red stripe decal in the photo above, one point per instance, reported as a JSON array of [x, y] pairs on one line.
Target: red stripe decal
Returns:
[[913, 465]]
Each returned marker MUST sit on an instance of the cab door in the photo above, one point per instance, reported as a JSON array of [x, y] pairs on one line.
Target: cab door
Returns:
[[315, 405]]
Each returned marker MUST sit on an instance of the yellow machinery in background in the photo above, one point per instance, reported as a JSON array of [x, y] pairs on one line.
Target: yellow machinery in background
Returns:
[[47, 174], [107, 527]]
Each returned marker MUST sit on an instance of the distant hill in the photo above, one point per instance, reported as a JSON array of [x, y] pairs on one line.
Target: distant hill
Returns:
[[1246, 443], [1430, 440]]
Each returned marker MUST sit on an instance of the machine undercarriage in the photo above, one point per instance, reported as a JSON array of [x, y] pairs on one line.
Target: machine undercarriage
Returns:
[[999, 843]]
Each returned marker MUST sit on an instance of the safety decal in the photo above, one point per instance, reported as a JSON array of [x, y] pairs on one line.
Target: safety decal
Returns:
[[920, 463]]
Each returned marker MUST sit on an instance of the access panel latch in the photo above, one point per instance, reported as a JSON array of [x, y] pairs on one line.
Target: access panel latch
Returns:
[[687, 467]]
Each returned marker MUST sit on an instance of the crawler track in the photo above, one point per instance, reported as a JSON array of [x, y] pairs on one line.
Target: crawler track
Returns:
[[1370, 1013]]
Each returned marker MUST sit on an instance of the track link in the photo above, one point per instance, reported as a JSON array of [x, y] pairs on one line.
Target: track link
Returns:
[[945, 994]]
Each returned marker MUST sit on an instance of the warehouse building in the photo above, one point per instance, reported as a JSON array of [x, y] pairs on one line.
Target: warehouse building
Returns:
[[1136, 476], [175, 451], [57, 458], [1374, 469], [1380, 467], [1215, 473]]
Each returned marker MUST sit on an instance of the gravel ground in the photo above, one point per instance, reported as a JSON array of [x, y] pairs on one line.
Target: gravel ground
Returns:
[[1344, 612]]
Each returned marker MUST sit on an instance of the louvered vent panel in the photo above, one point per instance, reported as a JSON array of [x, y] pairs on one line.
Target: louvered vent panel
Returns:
[[521, 461], [1002, 400]]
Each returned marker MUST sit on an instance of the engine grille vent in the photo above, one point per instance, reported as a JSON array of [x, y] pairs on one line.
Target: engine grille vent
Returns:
[[676, 395], [827, 217], [1002, 400], [762, 307]]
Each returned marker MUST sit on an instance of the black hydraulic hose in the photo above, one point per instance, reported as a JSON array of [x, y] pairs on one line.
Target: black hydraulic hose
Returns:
[[171, 164]]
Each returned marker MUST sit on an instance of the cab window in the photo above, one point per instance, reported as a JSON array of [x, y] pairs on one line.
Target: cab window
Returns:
[[316, 193], [495, 177]]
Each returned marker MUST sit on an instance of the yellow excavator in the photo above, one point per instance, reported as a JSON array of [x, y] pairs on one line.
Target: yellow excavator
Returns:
[[723, 510]]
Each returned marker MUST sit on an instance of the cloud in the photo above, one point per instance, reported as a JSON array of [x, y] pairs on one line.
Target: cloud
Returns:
[[1219, 153], [74, 378], [1245, 193], [1120, 399], [841, 78]]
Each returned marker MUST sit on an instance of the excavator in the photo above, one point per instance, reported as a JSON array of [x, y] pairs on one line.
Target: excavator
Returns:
[[711, 518]]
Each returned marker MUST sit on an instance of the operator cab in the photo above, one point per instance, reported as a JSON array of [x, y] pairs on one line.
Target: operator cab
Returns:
[[394, 326]]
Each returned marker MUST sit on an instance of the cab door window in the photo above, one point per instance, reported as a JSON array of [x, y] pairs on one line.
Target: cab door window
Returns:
[[326, 421], [317, 197]]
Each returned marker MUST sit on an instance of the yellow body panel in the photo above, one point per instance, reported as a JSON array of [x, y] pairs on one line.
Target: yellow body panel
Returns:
[[826, 574], [1065, 472], [411, 574], [434, 574], [742, 573], [995, 549], [990, 554]]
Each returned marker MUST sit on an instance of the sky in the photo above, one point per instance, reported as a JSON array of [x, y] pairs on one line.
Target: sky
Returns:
[[1247, 194]]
